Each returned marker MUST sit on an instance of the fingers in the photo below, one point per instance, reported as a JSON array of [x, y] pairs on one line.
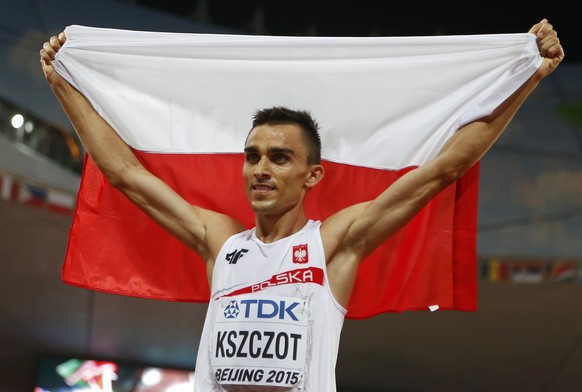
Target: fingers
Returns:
[[548, 41], [51, 47], [535, 29], [550, 46]]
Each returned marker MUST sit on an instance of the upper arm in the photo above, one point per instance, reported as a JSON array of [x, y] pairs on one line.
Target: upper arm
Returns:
[[202, 230], [353, 233], [358, 230]]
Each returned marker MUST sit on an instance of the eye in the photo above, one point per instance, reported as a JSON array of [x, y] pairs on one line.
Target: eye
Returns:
[[252, 158], [280, 158]]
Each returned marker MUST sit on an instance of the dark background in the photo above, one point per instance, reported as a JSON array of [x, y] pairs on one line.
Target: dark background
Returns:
[[383, 18]]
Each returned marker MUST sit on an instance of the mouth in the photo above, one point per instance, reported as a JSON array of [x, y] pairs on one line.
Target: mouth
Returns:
[[262, 188]]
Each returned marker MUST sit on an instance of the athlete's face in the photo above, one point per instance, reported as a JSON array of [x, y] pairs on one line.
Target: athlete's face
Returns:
[[277, 175]]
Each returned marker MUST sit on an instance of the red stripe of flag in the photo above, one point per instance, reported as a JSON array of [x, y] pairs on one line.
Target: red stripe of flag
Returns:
[[430, 261]]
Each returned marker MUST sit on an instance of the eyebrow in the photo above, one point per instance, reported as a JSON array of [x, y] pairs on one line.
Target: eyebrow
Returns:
[[272, 150]]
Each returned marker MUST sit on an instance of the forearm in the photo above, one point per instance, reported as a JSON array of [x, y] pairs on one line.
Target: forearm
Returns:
[[468, 145], [109, 152], [471, 142], [126, 173]]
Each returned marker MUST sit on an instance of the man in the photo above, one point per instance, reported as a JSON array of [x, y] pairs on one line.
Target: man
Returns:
[[298, 274]]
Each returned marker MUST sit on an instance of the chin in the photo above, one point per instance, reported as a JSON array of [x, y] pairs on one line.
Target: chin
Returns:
[[268, 208], [261, 206]]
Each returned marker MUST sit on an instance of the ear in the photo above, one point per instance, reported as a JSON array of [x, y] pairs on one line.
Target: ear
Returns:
[[314, 176]]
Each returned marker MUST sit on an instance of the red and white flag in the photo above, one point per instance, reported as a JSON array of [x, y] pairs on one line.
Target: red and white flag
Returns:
[[184, 103], [9, 188]]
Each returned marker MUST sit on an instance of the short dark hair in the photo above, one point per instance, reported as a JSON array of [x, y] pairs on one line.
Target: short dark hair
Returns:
[[302, 118]]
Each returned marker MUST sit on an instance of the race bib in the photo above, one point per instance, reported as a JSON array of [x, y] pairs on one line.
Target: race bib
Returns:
[[260, 341]]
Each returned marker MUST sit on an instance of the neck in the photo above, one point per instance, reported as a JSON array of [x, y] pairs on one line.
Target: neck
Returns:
[[272, 228]]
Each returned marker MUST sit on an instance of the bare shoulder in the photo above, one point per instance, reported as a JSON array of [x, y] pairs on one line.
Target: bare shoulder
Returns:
[[221, 226], [218, 228]]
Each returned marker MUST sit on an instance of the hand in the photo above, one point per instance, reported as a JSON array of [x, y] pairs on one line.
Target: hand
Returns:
[[47, 55], [549, 45]]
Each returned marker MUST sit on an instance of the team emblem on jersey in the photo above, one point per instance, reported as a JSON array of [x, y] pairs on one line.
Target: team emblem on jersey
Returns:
[[233, 257], [231, 310], [300, 254]]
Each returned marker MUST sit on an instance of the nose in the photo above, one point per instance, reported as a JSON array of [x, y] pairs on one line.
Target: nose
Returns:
[[262, 169]]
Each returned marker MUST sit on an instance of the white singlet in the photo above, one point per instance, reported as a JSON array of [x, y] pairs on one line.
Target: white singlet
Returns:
[[272, 322]]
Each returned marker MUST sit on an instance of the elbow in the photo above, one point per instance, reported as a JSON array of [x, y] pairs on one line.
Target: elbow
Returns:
[[118, 178], [454, 169], [116, 182], [452, 173]]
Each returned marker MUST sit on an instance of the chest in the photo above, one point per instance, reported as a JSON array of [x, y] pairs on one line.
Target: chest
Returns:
[[247, 266]]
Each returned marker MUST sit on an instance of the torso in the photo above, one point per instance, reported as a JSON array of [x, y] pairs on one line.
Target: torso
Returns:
[[272, 320]]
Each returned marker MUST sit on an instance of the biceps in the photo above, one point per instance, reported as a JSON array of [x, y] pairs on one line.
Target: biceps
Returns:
[[166, 207], [393, 209]]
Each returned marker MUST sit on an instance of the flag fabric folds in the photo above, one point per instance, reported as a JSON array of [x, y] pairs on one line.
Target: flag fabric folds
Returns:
[[184, 103]]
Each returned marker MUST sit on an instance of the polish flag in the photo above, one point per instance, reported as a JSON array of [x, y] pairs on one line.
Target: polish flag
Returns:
[[386, 105], [32, 195], [60, 202], [9, 188]]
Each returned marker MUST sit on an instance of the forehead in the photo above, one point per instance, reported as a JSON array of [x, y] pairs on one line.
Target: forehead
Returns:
[[279, 135]]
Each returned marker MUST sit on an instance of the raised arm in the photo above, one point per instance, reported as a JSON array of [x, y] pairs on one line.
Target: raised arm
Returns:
[[352, 234], [201, 230]]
